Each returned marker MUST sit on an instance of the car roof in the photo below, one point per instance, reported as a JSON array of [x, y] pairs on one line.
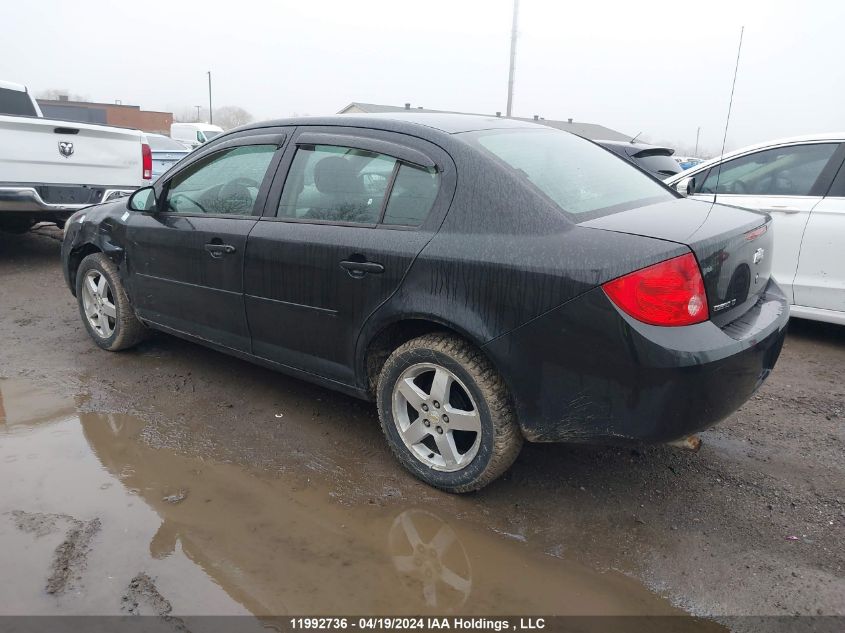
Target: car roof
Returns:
[[405, 121], [791, 140]]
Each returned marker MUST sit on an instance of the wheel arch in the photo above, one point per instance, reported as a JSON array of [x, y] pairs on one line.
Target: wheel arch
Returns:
[[75, 259], [375, 348]]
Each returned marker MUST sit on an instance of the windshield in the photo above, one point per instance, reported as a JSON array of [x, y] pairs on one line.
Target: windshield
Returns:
[[210, 134], [164, 143], [580, 177]]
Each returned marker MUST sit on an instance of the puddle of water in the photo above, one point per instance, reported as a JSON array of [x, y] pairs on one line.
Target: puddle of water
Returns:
[[152, 531]]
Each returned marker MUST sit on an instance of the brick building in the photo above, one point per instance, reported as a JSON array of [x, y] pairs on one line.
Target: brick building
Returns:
[[130, 116]]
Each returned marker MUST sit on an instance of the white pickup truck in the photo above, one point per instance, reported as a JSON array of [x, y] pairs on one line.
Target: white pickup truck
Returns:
[[49, 168]]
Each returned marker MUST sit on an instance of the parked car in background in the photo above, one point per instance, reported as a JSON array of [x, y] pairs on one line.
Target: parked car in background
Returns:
[[484, 280], [654, 159], [801, 182], [166, 152], [50, 168], [194, 134], [687, 162]]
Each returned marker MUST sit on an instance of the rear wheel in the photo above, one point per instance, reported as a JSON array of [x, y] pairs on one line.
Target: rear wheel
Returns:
[[104, 307], [446, 413]]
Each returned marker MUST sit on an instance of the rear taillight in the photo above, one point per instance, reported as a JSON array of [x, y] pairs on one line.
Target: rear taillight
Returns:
[[669, 293], [146, 162]]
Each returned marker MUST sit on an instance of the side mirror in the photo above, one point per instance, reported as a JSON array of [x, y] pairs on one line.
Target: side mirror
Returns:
[[143, 199], [685, 186]]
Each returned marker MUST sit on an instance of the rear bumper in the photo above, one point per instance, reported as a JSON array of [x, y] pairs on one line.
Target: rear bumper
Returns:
[[27, 200], [586, 372]]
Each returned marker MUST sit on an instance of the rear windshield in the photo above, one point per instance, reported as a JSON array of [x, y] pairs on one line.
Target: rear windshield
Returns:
[[165, 143], [581, 178], [661, 164], [16, 103]]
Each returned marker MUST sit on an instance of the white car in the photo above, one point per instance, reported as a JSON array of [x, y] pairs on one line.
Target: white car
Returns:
[[801, 183]]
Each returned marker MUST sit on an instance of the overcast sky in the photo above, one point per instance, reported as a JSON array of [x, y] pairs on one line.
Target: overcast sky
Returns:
[[663, 68]]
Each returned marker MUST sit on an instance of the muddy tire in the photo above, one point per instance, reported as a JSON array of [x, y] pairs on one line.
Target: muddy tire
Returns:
[[104, 307], [447, 414]]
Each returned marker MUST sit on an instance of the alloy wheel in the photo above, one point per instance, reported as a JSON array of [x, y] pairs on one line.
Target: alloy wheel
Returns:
[[436, 417], [98, 303]]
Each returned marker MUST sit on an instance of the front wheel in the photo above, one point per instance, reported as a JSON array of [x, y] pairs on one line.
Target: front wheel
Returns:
[[104, 307], [447, 414]]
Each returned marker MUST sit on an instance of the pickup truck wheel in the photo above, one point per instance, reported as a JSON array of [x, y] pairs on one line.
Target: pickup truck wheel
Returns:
[[447, 414], [105, 309]]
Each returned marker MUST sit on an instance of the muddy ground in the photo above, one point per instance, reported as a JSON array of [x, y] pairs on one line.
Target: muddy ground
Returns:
[[172, 479]]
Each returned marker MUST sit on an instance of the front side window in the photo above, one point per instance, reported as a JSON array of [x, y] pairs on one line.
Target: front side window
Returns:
[[227, 183], [581, 178], [782, 171]]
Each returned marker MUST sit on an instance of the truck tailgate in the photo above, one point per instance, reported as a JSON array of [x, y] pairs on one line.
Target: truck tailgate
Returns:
[[98, 155]]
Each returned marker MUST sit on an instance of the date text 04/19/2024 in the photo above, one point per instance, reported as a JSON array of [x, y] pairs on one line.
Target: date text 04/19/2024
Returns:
[[417, 623]]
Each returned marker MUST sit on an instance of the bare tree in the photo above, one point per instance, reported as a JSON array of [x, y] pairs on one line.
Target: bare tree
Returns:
[[228, 117], [53, 94]]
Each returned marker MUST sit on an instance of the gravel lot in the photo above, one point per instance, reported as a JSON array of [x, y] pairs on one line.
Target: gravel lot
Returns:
[[753, 524]]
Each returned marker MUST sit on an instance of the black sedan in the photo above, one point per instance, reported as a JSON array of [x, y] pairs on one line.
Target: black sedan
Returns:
[[483, 280]]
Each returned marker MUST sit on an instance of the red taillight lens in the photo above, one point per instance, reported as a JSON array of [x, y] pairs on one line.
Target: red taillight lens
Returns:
[[668, 293], [146, 162]]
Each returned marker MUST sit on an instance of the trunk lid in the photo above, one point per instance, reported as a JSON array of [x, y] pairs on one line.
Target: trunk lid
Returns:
[[733, 247]]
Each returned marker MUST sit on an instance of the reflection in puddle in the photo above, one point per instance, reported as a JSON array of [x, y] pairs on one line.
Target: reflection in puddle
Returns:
[[211, 537], [439, 563]]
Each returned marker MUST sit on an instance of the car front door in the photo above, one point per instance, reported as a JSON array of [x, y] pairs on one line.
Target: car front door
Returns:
[[786, 182], [186, 257], [820, 280], [338, 236]]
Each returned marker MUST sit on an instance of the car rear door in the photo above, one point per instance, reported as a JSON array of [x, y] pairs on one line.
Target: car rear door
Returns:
[[785, 181], [820, 280], [345, 218], [186, 258]]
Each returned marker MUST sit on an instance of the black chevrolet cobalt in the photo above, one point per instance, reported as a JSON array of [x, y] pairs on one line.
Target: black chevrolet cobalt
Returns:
[[483, 280]]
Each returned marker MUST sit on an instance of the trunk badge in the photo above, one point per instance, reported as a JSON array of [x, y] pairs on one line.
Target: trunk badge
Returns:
[[758, 255], [65, 148]]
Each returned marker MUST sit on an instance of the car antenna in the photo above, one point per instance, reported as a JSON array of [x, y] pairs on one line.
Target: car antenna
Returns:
[[728, 119], [635, 138]]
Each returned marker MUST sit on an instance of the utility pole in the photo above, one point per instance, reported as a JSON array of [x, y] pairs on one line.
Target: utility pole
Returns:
[[697, 134], [210, 115], [513, 57], [198, 113]]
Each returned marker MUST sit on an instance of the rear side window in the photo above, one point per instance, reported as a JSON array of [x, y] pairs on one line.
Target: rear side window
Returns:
[[581, 178], [344, 184], [781, 171], [412, 197], [16, 103]]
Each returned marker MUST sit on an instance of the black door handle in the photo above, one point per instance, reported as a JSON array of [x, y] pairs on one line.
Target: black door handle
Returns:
[[218, 250], [359, 269]]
